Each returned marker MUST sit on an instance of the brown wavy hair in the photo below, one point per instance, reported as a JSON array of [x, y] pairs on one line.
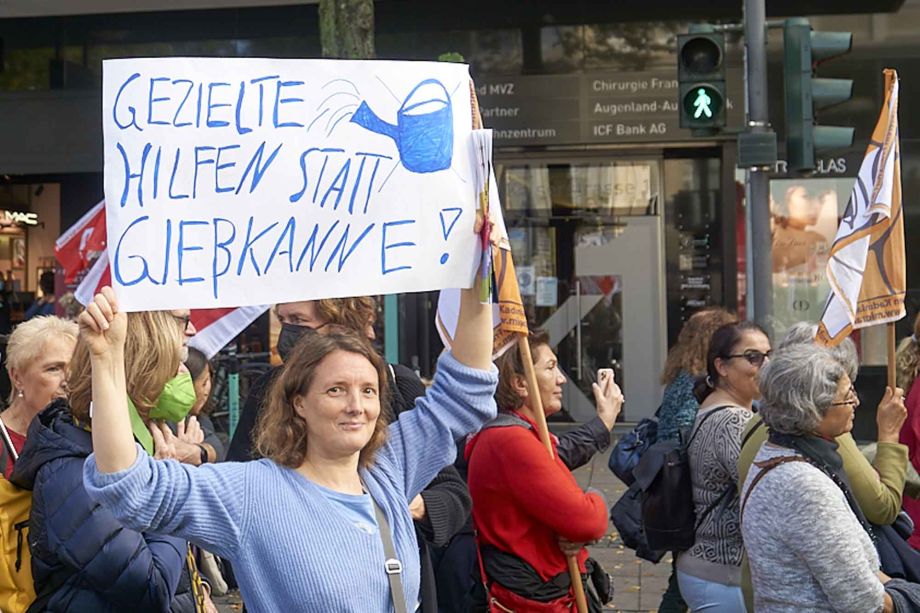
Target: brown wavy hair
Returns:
[[281, 434], [908, 358], [152, 353], [510, 365], [356, 313], [689, 353]]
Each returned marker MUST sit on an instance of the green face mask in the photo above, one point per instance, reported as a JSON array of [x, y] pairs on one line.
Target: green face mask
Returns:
[[177, 399]]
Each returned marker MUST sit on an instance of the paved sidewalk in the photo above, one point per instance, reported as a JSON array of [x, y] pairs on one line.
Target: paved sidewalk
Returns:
[[638, 584]]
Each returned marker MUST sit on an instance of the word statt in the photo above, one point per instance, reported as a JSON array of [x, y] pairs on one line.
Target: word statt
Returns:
[[234, 182]]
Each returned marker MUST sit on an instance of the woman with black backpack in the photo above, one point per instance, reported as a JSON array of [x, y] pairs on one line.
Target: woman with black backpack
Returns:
[[685, 364], [709, 573]]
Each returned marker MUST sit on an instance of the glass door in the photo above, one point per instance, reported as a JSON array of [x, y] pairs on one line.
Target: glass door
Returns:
[[586, 238]]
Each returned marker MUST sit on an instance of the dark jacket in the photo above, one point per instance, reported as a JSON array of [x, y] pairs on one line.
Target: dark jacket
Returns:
[[81, 555]]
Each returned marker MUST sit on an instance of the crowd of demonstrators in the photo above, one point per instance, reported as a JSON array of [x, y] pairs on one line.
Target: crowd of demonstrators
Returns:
[[908, 366], [83, 558], [528, 509], [808, 541], [327, 444], [441, 510], [341, 494], [709, 573], [37, 358], [685, 364]]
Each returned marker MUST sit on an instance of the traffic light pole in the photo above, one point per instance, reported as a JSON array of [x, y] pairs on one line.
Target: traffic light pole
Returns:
[[759, 243]]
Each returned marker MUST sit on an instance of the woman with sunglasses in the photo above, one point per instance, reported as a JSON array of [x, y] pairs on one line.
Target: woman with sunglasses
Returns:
[[709, 573]]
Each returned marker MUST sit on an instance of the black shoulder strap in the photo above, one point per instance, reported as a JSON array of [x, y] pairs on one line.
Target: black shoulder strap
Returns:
[[731, 488], [8, 450], [703, 421]]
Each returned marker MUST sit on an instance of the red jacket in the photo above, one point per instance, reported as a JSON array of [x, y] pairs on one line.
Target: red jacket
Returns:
[[523, 500], [910, 436]]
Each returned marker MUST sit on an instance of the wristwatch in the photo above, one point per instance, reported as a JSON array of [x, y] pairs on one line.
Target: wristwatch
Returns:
[[204, 454]]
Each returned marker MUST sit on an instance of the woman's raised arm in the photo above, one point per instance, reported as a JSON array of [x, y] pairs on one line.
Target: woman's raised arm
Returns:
[[103, 327], [473, 339]]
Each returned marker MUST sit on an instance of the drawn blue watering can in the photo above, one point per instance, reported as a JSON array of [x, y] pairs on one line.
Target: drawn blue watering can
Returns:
[[424, 130]]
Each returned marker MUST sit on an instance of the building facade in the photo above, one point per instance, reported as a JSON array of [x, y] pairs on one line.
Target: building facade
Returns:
[[622, 224]]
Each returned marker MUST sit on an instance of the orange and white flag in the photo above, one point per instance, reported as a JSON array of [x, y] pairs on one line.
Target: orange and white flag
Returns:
[[508, 314], [866, 269]]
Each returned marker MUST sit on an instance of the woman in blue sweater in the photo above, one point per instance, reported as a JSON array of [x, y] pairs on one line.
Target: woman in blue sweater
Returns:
[[302, 525]]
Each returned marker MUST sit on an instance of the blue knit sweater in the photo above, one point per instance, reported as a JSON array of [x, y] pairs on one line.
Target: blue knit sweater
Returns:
[[291, 549]]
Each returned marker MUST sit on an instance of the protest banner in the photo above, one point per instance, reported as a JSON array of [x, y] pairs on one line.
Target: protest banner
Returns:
[[235, 182]]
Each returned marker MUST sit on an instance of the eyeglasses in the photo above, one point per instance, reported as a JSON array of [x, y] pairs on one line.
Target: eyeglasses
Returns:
[[754, 357], [184, 320], [852, 399]]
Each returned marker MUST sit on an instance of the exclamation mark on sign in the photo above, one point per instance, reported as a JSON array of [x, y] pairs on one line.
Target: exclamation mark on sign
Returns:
[[449, 217]]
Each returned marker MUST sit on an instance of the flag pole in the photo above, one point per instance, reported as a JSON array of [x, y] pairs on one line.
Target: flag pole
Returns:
[[533, 391], [536, 405], [892, 359]]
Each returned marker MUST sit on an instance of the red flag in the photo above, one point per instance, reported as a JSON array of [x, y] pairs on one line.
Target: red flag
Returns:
[[82, 243]]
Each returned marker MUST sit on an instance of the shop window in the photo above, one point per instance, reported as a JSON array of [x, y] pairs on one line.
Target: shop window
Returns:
[[562, 48], [26, 69]]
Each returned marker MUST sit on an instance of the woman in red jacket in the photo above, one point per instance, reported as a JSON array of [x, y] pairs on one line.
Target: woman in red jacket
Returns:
[[908, 364], [528, 509]]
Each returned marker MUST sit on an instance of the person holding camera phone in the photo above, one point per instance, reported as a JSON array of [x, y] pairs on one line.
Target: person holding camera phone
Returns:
[[529, 511]]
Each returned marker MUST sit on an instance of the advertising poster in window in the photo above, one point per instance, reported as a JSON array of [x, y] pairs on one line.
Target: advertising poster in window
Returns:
[[805, 214]]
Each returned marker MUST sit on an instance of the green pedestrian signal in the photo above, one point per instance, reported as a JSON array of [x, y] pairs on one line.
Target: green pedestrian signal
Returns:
[[701, 79], [701, 104]]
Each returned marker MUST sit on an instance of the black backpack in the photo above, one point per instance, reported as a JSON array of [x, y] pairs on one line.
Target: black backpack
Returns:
[[663, 474]]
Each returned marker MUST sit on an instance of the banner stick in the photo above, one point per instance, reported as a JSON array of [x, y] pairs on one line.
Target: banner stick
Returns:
[[892, 365], [533, 392]]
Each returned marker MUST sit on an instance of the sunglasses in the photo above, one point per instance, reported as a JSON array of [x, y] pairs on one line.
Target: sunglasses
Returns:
[[754, 357]]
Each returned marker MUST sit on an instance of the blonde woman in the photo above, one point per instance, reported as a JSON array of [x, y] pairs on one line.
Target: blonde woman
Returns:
[[83, 559], [37, 357], [908, 364]]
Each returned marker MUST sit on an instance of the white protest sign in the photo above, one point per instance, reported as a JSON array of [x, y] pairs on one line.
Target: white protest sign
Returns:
[[234, 182]]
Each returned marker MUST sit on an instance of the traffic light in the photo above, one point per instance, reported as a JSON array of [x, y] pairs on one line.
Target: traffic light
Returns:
[[805, 93], [701, 76]]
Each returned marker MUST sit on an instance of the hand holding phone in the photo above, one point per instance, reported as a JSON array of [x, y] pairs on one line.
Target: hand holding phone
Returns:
[[608, 397]]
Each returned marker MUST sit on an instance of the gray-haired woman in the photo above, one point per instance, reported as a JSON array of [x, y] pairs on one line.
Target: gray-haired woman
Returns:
[[806, 538]]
